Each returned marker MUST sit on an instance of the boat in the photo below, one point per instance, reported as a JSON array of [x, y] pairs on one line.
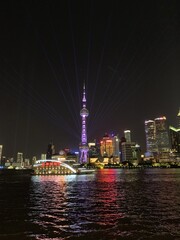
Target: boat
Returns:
[[58, 167], [84, 170]]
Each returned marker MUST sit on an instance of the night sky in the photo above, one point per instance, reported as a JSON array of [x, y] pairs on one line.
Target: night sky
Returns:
[[127, 53]]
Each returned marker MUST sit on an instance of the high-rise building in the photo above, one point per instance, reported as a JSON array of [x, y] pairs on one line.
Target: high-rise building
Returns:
[[19, 161], [131, 152], [106, 146], [174, 139], [127, 135], [50, 151], [127, 155], [84, 113], [150, 131], [162, 137], [115, 142], [174, 134]]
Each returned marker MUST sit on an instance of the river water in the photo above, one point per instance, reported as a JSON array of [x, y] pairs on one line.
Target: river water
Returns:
[[110, 204]]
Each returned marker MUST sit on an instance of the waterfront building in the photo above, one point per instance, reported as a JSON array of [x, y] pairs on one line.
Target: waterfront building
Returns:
[[127, 135], [106, 146], [127, 151], [84, 113], [19, 157], [136, 154], [94, 150], [50, 151], [115, 143], [19, 161], [150, 132], [174, 139], [26, 162], [162, 137]]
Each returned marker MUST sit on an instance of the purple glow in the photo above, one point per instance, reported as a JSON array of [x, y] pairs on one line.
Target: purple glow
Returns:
[[83, 146]]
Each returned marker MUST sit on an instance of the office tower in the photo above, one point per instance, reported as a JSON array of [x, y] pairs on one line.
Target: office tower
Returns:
[[84, 113], [126, 148], [127, 135], [131, 152], [106, 146], [50, 151], [20, 159], [174, 139], [150, 131], [174, 134], [162, 137], [115, 142], [1, 147]]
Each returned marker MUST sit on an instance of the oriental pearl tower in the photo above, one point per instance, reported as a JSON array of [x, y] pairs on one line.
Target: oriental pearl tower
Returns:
[[83, 145]]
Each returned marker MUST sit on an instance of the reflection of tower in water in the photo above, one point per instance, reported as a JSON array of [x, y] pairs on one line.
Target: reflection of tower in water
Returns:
[[83, 145]]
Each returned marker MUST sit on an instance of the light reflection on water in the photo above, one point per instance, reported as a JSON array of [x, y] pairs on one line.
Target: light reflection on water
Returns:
[[110, 204]]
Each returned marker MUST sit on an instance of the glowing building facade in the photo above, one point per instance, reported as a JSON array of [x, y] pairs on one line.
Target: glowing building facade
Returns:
[[150, 131], [127, 135], [175, 136], [84, 113], [106, 146], [162, 137], [175, 139], [131, 152]]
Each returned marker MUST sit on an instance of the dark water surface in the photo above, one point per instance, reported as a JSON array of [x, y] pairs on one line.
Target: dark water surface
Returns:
[[110, 204]]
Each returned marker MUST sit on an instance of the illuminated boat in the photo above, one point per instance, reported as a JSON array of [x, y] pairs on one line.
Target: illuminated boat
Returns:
[[58, 167], [82, 170], [85, 171], [52, 167]]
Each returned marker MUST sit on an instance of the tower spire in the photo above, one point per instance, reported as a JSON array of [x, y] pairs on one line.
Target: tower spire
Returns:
[[83, 145]]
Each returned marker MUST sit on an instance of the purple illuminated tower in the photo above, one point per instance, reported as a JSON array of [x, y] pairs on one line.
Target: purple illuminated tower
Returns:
[[83, 145]]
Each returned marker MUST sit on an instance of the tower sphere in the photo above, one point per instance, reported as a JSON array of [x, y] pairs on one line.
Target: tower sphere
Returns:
[[84, 112]]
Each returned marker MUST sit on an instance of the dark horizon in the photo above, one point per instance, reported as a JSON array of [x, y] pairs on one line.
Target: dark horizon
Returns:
[[128, 54]]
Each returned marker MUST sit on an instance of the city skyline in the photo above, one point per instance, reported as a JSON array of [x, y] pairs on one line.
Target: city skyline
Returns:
[[127, 54], [149, 140]]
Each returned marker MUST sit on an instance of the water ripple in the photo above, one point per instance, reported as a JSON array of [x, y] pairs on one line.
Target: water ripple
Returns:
[[111, 204]]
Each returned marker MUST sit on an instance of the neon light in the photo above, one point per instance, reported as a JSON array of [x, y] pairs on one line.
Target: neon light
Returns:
[[83, 146]]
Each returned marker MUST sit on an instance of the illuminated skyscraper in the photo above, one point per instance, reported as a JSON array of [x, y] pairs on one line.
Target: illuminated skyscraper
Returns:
[[106, 146], [115, 140], [83, 145], [151, 146], [131, 152], [175, 135], [127, 135], [175, 139], [162, 137], [20, 159]]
